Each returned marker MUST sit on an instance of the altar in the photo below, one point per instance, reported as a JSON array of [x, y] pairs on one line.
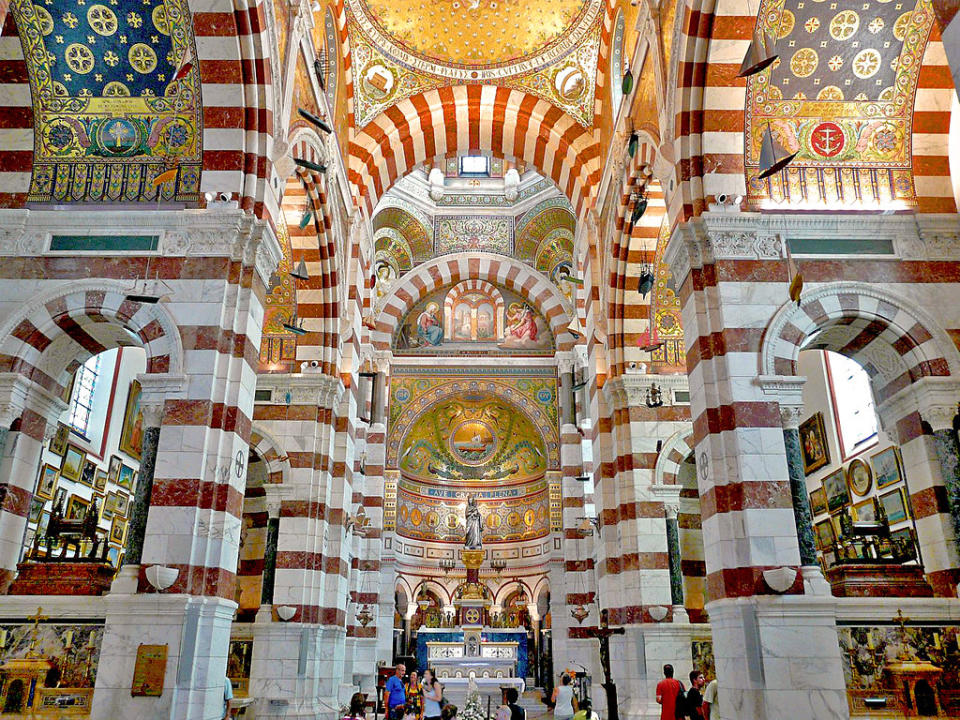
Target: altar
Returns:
[[499, 654]]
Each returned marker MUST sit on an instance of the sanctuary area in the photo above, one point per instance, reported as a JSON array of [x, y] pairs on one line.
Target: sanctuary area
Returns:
[[532, 345]]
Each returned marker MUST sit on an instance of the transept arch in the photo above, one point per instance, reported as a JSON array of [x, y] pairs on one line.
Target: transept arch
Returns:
[[495, 269], [451, 119], [270, 450]]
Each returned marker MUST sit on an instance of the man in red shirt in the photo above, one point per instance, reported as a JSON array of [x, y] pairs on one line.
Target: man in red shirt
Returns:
[[667, 691]]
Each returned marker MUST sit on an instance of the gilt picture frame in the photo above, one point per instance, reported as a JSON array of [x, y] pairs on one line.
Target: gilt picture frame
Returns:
[[813, 443]]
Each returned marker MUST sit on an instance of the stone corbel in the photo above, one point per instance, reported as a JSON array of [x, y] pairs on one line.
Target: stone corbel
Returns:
[[14, 389], [46, 405]]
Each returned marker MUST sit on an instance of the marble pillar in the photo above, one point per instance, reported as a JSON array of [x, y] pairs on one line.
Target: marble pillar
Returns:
[[948, 455], [801, 500], [673, 549]]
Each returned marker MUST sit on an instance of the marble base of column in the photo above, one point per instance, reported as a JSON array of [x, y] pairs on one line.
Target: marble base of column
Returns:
[[196, 633], [778, 658], [125, 583], [814, 583]]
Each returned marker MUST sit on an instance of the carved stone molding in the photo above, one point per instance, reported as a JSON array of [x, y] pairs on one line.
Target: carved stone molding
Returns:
[[669, 495], [935, 398], [14, 389], [631, 390], [300, 389]]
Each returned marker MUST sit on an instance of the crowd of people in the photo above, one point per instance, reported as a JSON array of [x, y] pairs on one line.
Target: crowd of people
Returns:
[[407, 697]]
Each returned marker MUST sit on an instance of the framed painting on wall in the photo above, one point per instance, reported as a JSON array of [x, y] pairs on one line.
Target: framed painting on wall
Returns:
[[818, 501], [813, 443], [894, 503], [100, 482], [118, 530], [835, 487], [859, 477], [824, 534], [886, 467], [109, 505], [36, 510], [76, 508], [72, 464], [865, 511], [114, 470], [121, 503], [89, 473], [47, 483], [131, 436], [125, 477], [58, 443]]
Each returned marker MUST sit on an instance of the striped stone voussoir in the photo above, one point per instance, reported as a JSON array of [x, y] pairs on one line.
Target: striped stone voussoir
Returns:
[[508, 123], [272, 454]]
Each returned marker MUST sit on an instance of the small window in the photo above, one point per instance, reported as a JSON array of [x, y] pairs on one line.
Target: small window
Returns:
[[475, 165], [81, 400], [853, 406]]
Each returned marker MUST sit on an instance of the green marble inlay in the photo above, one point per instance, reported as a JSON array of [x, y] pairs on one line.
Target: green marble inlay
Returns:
[[104, 243]]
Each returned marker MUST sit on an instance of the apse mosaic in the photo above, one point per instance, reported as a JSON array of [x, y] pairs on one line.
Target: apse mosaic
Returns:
[[460, 424], [48, 668], [116, 100], [473, 318], [475, 437], [407, 47], [842, 96], [504, 516]]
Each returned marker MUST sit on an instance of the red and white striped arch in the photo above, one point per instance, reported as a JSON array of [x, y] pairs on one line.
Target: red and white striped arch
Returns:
[[271, 452], [675, 450], [481, 286], [872, 315], [50, 337], [494, 269], [508, 123]]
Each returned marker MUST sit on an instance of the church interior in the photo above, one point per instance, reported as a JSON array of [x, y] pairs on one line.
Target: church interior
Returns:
[[512, 339]]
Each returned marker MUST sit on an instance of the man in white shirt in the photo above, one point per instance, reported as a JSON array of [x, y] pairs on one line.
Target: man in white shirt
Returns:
[[710, 700]]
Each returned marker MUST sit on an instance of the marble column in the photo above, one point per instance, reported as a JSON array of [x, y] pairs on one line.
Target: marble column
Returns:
[[802, 516], [140, 506], [673, 549], [270, 559]]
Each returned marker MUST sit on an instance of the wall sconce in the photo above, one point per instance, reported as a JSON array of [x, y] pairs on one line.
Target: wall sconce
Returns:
[[286, 612], [359, 524], [586, 523], [161, 577]]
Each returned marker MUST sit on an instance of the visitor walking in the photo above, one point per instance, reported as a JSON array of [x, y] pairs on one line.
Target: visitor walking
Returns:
[[432, 696], [667, 691], [562, 699], [710, 701], [694, 698], [396, 695]]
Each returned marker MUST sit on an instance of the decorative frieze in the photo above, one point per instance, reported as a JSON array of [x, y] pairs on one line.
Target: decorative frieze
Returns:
[[302, 389]]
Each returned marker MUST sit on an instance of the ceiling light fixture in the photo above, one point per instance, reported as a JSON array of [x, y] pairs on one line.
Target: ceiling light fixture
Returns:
[[294, 327], [308, 165], [627, 84], [760, 53]]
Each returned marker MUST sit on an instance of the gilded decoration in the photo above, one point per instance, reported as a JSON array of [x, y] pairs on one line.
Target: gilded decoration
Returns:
[[459, 233], [110, 112], [666, 310], [547, 49], [279, 306], [842, 96], [499, 398], [466, 320]]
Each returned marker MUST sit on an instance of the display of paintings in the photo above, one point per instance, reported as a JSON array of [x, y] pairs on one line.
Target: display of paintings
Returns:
[[473, 317], [114, 556], [904, 535], [118, 530], [76, 508], [113, 471], [835, 487], [47, 483], [36, 509], [865, 511], [100, 482], [818, 501], [72, 464], [121, 503], [131, 436], [813, 444], [894, 503], [58, 443], [824, 534], [61, 500], [107, 509], [125, 477], [886, 467], [89, 473]]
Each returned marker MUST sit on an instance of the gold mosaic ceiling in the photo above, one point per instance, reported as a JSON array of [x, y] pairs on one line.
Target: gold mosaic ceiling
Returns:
[[475, 33]]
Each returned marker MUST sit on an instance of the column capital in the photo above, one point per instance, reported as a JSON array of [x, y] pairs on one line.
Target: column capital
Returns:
[[566, 362], [787, 390], [669, 495], [14, 389], [46, 405], [275, 495], [935, 398]]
